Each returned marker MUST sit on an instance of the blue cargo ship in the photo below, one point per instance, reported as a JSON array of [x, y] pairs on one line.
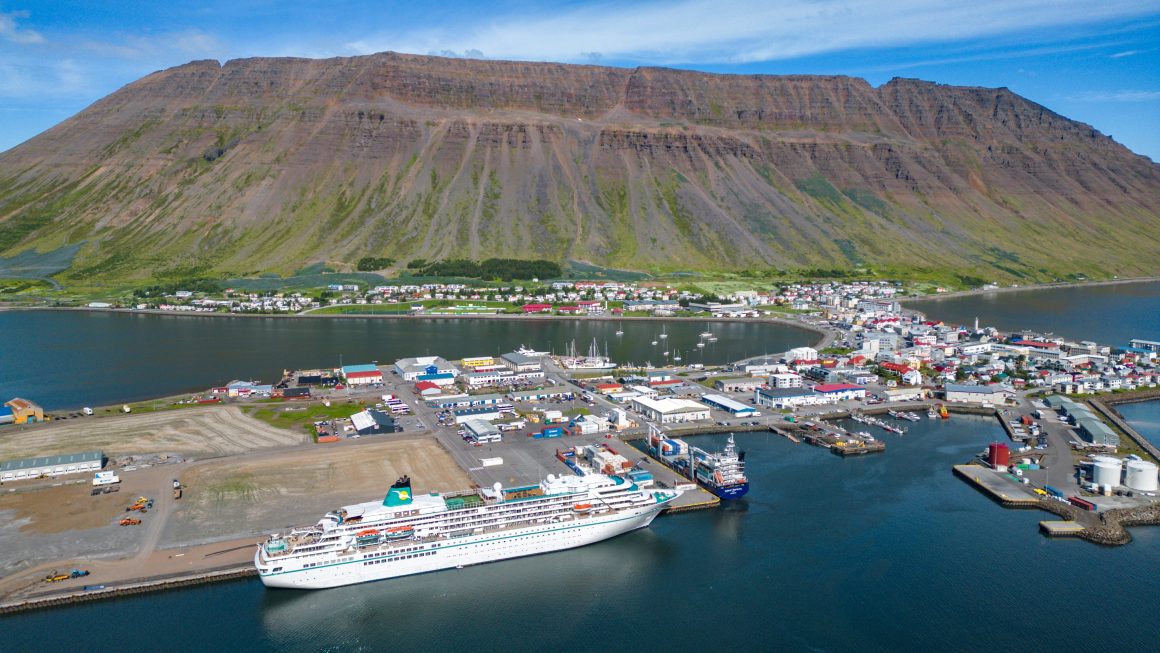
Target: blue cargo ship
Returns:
[[722, 473]]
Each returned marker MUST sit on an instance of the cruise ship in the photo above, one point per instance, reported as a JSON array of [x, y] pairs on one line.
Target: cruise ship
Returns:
[[406, 534]]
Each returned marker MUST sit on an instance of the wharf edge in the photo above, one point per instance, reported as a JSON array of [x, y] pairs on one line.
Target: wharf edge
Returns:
[[129, 589]]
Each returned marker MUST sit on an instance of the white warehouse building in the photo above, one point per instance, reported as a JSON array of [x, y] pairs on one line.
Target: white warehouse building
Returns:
[[29, 468], [670, 411]]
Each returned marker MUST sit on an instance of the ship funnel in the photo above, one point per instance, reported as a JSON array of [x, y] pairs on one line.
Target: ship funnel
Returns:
[[399, 494]]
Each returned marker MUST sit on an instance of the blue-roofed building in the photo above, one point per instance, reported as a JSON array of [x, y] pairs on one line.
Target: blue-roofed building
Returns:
[[735, 408], [6, 416]]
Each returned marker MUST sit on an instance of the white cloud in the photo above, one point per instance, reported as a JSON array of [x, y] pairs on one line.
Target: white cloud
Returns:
[[744, 31], [1126, 53], [1117, 96], [181, 45], [9, 31]]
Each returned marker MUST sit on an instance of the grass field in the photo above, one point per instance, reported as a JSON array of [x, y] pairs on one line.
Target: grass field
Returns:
[[298, 416]]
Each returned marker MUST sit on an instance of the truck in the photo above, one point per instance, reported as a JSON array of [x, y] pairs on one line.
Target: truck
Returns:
[[105, 478]]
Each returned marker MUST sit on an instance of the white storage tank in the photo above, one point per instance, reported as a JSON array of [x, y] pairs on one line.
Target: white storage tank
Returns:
[[1141, 476], [1106, 471]]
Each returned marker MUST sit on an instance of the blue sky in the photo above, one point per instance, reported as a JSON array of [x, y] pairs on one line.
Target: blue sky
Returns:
[[1097, 61]]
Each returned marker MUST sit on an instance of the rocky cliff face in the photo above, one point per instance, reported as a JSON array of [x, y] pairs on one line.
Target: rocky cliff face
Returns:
[[270, 164]]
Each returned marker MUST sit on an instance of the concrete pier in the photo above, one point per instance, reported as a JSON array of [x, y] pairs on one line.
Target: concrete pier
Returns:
[[998, 487], [1061, 528]]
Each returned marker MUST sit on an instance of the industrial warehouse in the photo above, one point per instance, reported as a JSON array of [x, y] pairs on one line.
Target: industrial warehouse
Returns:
[[50, 466]]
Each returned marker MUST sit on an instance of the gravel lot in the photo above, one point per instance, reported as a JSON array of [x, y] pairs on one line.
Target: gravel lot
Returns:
[[194, 432], [259, 494]]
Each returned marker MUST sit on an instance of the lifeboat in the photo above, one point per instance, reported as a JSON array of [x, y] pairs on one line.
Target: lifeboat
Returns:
[[368, 532], [582, 507], [397, 532]]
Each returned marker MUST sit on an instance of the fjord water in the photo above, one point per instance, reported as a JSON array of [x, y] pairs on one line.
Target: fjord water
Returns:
[[884, 553], [1144, 417], [1108, 314], [69, 359]]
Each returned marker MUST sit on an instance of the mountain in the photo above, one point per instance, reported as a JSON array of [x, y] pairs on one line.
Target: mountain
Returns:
[[272, 164]]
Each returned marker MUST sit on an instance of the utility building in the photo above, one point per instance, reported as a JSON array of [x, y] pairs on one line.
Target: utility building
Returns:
[[29, 468]]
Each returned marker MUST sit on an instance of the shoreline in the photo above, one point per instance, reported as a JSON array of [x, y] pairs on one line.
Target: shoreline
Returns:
[[1040, 286]]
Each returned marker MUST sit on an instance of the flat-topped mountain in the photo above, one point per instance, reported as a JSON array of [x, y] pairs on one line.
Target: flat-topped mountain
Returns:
[[268, 165]]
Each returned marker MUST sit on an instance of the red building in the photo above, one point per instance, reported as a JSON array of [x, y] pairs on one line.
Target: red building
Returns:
[[537, 308]]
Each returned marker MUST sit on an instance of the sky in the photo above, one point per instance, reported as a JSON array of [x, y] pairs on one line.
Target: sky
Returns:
[[1096, 61]]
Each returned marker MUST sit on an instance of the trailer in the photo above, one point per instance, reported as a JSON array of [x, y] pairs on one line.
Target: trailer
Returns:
[[1082, 503]]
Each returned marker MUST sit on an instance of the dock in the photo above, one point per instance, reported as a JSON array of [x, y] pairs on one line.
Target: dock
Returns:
[[846, 449], [997, 486], [696, 498], [1057, 528]]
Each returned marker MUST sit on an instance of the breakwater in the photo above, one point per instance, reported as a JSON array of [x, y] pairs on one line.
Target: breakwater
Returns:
[[1105, 528], [1110, 414]]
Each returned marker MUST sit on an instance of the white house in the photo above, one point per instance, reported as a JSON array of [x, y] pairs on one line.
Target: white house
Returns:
[[912, 377], [785, 380], [802, 354]]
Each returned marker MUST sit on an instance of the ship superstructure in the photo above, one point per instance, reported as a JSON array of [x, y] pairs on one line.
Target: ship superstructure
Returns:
[[720, 472]]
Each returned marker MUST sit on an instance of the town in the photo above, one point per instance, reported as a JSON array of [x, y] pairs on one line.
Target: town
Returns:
[[503, 418]]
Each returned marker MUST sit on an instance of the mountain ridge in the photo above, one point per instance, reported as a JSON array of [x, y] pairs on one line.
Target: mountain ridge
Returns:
[[269, 164]]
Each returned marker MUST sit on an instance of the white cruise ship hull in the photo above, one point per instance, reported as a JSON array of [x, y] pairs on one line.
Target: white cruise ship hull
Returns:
[[448, 553]]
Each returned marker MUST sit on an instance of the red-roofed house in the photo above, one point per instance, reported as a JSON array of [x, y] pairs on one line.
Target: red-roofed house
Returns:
[[537, 308], [427, 389], [897, 368]]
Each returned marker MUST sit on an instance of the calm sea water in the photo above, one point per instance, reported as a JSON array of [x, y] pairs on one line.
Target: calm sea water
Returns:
[[1144, 417], [1110, 315], [885, 553], [69, 359]]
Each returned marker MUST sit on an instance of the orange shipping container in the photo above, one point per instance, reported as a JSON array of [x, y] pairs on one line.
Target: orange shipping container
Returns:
[[329, 438]]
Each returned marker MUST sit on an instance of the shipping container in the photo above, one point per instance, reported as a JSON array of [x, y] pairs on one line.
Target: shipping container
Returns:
[[328, 438], [1081, 503], [1052, 491]]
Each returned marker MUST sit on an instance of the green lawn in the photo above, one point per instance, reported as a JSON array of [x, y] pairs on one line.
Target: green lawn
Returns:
[[293, 416]]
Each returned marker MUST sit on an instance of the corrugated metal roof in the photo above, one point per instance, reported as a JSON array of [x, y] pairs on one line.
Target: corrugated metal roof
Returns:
[[368, 367], [51, 461]]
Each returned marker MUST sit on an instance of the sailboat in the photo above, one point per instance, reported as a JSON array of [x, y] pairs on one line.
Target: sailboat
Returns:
[[619, 331], [593, 361], [663, 334]]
